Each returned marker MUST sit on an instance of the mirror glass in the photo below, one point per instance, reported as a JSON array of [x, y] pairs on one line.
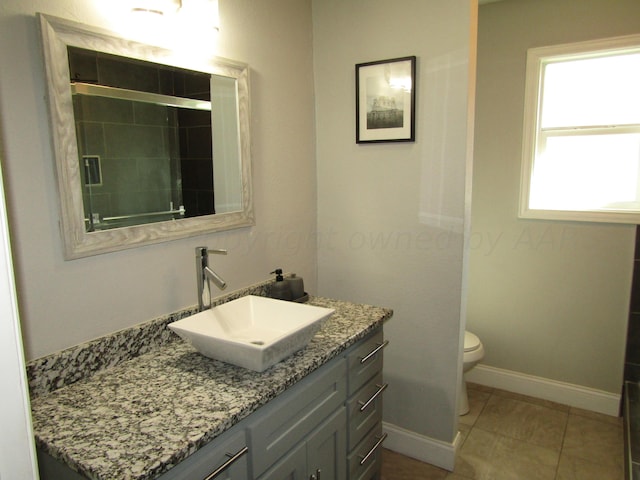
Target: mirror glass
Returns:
[[149, 146]]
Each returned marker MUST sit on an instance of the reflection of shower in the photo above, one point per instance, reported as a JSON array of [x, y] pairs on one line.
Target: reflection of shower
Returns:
[[91, 227], [92, 176], [154, 142]]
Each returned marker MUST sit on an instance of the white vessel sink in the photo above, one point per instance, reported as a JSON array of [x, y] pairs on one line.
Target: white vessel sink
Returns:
[[252, 332]]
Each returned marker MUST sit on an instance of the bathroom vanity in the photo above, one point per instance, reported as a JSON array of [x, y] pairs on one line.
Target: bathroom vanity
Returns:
[[161, 410]]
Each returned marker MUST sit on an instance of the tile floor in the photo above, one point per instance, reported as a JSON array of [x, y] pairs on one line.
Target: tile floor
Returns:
[[507, 436]]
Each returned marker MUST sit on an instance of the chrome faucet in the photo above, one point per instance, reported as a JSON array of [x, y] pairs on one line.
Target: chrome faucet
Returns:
[[205, 275]]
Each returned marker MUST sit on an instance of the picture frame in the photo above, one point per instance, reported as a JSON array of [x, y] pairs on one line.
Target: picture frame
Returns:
[[386, 100]]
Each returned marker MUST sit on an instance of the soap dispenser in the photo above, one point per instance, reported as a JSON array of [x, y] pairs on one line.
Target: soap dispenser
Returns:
[[280, 289], [296, 284]]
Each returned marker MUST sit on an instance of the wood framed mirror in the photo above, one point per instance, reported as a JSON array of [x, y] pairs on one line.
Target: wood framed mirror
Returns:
[[150, 146]]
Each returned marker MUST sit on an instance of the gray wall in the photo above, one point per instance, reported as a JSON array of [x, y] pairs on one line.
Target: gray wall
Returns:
[[391, 217], [63, 303], [548, 299]]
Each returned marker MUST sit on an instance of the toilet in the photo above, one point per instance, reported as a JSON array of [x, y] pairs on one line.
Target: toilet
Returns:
[[473, 354]]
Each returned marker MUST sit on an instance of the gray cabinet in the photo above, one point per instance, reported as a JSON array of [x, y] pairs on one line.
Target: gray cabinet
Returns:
[[224, 459], [341, 405], [293, 466], [327, 449], [364, 408], [285, 423], [321, 456], [365, 461]]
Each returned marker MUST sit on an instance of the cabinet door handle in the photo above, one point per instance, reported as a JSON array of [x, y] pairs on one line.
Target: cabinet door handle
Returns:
[[364, 405], [233, 458], [364, 458], [379, 347]]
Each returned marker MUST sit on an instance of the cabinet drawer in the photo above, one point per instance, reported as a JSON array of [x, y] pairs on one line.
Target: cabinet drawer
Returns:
[[281, 425], [198, 466], [228, 449], [365, 410], [364, 363], [373, 471], [365, 462]]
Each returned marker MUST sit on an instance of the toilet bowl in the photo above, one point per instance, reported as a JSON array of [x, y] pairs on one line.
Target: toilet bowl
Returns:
[[473, 354]]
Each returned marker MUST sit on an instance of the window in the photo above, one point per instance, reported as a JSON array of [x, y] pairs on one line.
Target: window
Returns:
[[581, 139]]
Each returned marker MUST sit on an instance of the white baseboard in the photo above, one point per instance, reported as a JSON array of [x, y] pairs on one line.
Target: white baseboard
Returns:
[[546, 389], [426, 449]]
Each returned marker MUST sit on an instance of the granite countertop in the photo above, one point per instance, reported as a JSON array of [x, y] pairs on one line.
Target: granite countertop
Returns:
[[138, 418]]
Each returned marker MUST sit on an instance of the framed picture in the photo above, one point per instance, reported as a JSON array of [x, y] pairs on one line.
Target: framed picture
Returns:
[[386, 100]]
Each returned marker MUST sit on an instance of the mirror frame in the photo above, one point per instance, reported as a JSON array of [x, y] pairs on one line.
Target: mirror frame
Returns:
[[57, 35]]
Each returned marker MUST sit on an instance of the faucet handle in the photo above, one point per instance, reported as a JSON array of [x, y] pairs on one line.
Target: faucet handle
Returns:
[[203, 251]]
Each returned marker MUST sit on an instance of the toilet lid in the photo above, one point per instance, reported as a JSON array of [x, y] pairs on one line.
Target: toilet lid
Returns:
[[471, 342]]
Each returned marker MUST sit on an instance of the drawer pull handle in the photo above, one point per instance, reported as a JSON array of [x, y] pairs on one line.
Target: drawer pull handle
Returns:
[[373, 450], [374, 351], [364, 405], [233, 458]]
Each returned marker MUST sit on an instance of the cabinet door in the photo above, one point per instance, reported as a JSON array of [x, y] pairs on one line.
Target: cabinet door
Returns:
[[284, 424], [293, 466], [324, 452], [327, 449]]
